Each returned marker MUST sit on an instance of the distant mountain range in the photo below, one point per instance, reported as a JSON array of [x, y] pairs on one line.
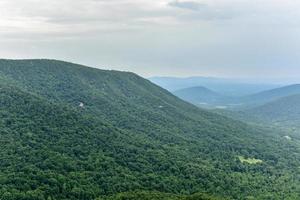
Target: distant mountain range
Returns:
[[227, 87], [207, 98], [73, 132], [202, 97]]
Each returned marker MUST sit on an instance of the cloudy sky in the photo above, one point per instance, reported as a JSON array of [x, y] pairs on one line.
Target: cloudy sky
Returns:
[[226, 38]]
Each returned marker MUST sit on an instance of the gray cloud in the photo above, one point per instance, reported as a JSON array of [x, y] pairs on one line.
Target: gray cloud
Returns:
[[205, 10], [157, 37], [191, 5]]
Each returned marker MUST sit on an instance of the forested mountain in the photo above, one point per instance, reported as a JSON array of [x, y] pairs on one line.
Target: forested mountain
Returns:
[[282, 115], [270, 95], [284, 111], [201, 96], [72, 132]]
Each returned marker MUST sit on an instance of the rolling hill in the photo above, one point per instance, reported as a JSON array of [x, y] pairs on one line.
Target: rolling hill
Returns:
[[201, 96], [271, 95], [284, 111], [282, 114], [72, 132]]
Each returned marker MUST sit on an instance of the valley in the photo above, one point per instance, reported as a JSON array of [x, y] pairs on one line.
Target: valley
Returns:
[[276, 109]]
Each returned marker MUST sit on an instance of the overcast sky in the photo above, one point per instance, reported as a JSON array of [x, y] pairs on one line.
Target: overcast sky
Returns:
[[226, 38]]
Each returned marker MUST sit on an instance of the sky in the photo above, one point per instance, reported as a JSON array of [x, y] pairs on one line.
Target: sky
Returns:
[[221, 38]]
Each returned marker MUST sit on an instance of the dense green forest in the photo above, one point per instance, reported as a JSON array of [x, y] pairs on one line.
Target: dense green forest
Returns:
[[72, 132], [282, 112]]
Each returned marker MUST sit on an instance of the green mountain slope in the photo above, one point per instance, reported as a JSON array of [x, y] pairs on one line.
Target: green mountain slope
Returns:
[[271, 95], [73, 132], [284, 111]]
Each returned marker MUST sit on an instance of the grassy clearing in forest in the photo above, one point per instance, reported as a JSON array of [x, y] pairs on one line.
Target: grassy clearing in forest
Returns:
[[251, 161]]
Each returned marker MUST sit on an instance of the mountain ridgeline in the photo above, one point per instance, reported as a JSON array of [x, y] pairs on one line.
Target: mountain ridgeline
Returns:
[[72, 132]]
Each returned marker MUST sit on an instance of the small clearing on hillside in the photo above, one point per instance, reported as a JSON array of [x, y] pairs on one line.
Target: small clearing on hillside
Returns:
[[251, 161]]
